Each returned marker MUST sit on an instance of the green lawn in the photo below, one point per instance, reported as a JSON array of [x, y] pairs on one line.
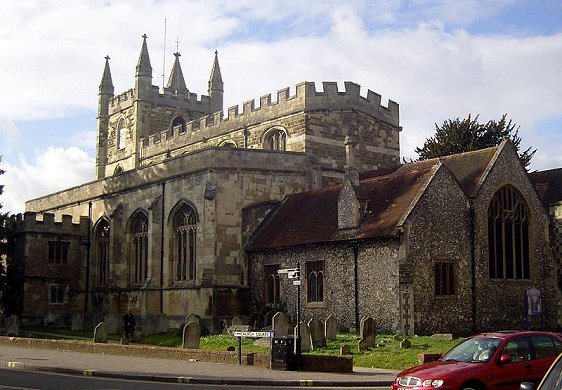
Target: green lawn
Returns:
[[387, 354]]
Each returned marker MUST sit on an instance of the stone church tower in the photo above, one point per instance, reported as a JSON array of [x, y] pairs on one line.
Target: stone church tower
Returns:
[[180, 187]]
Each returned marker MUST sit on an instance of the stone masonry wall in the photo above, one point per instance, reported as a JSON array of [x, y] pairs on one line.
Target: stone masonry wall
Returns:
[[500, 301], [439, 231]]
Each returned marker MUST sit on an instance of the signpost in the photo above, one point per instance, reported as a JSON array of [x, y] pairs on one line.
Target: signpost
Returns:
[[254, 335], [295, 274]]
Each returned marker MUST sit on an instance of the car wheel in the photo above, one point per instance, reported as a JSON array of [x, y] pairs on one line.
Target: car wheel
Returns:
[[472, 386]]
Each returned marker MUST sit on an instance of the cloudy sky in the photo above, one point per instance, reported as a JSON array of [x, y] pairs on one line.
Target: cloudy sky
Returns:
[[438, 59]]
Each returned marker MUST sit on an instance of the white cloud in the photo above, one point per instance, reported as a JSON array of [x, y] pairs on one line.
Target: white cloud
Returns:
[[416, 53], [52, 169]]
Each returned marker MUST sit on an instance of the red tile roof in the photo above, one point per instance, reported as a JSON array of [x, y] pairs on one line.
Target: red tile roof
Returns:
[[312, 217], [548, 185]]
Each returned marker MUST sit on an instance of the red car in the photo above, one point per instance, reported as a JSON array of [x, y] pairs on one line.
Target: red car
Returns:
[[487, 361]]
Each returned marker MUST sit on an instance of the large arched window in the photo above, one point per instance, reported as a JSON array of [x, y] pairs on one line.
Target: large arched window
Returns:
[[275, 139], [508, 235], [121, 133], [178, 124], [138, 271], [101, 242], [272, 284], [184, 238]]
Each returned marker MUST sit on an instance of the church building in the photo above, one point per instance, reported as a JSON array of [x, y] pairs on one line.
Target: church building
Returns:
[[180, 187], [195, 209]]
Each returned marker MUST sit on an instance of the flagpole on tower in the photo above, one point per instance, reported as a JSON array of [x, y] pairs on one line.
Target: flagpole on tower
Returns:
[[164, 60]]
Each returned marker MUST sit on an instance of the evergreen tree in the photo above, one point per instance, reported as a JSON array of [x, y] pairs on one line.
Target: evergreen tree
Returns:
[[457, 136]]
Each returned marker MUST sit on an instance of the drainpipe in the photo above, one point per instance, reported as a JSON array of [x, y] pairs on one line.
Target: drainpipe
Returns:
[[88, 246], [162, 251], [355, 283], [472, 264]]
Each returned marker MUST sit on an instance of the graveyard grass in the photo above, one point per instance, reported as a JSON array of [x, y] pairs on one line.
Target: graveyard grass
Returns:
[[387, 354]]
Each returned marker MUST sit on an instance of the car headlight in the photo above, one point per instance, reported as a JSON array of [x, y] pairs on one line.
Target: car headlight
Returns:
[[432, 382]]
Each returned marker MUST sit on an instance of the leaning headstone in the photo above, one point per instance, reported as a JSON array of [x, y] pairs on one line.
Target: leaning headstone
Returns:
[[100, 333], [2, 323], [345, 350], [330, 328], [236, 320], [305, 336], [12, 325], [280, 325], [317, 338], [191, 335], [367, 331], [405, 344], [77, 321], [267, 319]]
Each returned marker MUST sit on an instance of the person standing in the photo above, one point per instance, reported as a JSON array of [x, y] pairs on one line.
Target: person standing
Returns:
[[129, 325]]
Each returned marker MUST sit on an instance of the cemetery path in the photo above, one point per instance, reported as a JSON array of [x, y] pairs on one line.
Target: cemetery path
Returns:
[[180, 371]]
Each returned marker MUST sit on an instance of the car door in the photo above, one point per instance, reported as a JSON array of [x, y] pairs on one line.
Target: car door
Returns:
[[545, 349], [507, 375]]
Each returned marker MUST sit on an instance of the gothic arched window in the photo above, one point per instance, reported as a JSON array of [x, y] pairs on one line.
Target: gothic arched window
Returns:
[[121, 133], [138, 271], [178, 124], [275, 139], [508, 236], [227, 144], [272, 284], [184, 243], [118, 170], [315, 281], [101, 240]]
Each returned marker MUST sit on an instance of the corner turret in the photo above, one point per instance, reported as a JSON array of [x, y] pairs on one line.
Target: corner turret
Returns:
[[216, 86], [143, 75], [105, 94], [176, 82]]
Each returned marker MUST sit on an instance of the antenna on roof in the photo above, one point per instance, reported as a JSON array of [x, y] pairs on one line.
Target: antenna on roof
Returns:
[[164, 60]]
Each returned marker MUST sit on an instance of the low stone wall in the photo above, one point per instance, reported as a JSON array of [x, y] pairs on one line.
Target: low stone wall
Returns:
[[310, 362]]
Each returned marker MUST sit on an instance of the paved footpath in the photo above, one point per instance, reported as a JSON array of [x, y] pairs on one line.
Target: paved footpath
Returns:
[[181, 371]]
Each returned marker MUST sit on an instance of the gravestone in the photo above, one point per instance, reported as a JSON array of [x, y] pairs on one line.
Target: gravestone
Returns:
[[345, 350], [267, 318], [161, 323], [367, 331], [305, 336], [77, 321], [237, 320], [191, 317], [100, 333], [191, 335], [317, 337], [2, 323], [12, 325], [280, 325], [330, 328], [405, 344], [442, 336], [113, 322], [148, 325]]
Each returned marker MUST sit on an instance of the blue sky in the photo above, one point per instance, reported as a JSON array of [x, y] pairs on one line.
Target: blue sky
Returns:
[[438, 59]]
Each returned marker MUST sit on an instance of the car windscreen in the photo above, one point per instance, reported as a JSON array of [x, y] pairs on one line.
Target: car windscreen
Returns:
[[477, 349]]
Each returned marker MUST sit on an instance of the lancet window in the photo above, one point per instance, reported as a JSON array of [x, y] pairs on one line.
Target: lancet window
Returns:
[[121, 133], [139, 252], [508, 236], [184, 243], [315, 281], [178, 124], [272, 284], [102, 240]]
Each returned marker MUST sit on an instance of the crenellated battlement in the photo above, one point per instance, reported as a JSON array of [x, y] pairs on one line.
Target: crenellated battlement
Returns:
[[306, 98], [29, 222], [187, 101]]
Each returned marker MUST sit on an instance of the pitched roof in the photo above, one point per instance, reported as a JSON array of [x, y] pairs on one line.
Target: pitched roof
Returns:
[[469, 168], [312, 217], [548, 185]]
